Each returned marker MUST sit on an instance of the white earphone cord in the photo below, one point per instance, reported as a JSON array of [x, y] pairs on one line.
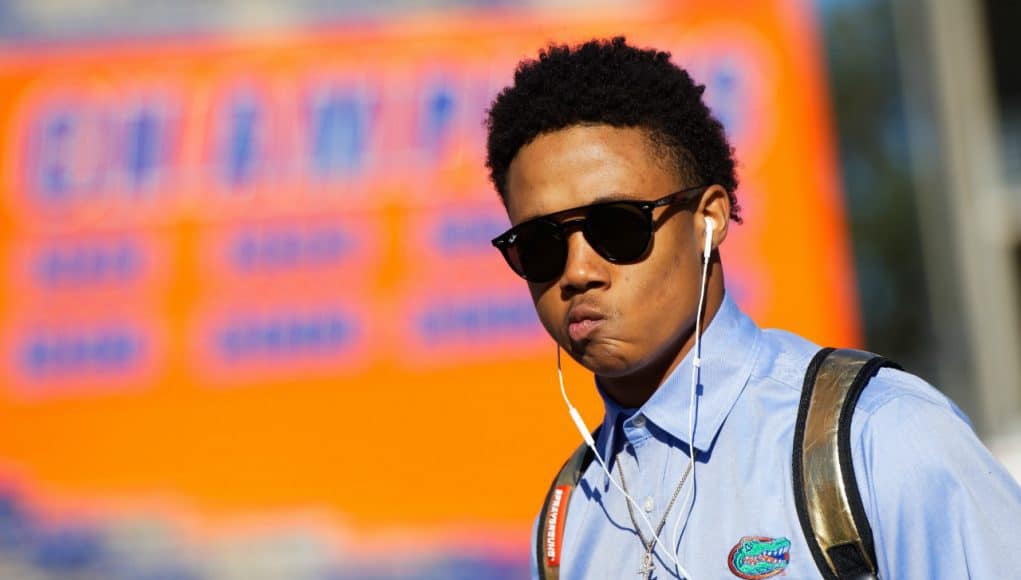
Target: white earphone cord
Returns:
[[696, 366], [579, 423]]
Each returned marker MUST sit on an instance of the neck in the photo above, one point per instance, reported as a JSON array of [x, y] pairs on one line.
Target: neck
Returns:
[[634, 389]]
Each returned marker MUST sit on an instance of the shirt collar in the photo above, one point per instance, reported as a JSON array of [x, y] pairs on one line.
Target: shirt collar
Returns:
[[612, 418], [729, 347]]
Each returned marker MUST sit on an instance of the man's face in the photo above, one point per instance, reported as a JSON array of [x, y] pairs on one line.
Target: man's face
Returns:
[[618, 320]]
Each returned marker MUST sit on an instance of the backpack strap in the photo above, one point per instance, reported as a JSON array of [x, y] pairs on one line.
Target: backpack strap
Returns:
[[825, 489], [549, 534]]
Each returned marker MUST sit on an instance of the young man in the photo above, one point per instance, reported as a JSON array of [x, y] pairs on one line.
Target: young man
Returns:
[[608, 163]]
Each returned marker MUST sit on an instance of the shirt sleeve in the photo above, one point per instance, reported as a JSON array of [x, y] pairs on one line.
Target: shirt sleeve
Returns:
[[939, 504]]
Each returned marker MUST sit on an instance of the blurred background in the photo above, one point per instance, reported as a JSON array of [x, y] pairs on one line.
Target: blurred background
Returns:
[[250, 322]]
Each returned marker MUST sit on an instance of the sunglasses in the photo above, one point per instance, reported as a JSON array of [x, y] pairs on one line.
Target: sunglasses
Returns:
[[619, 231]]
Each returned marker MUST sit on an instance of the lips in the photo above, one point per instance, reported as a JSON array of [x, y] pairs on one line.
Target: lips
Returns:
[[582, 321]]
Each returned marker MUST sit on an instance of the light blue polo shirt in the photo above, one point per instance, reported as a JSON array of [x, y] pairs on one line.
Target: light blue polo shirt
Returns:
[[939, 505]]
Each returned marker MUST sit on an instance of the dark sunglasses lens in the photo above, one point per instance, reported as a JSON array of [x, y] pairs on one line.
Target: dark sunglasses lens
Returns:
[[619, 232], [539, 253]]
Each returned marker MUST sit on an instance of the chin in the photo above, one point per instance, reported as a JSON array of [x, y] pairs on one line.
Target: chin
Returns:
[[605, 360]]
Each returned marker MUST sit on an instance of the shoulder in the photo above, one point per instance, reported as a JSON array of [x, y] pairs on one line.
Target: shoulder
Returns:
[[783, 358], [917, 447], [907, 428], [894, 391], [921, 467], [902, 427]]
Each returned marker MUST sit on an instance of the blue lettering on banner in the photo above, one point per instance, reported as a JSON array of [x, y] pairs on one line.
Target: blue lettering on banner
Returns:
[[476, 320], [75, 150], [727, 96], [93, 264], [54, 154], [145, 147], [440, 105], [106, 350], [340, 128], [286, 335], [244, 124], [276, 249]]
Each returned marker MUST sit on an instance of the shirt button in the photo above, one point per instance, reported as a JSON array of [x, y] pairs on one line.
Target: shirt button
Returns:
[[639, 421], [648, 504]]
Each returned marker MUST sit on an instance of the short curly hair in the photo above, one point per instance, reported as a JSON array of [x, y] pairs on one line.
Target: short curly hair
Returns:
[[610, 82]]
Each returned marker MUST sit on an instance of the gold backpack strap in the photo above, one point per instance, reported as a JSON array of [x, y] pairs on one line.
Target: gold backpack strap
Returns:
[[825, 489], [549, 534]]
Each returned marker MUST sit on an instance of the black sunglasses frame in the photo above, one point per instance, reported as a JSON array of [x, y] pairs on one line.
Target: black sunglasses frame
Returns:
[[505, 241]]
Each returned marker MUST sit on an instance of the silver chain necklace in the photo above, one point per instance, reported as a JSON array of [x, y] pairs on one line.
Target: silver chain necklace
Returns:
[[650, 545]]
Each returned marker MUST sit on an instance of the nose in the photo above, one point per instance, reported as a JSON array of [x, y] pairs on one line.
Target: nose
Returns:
[[585, 269]]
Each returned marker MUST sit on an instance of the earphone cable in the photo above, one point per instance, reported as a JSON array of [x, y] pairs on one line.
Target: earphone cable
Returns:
[[587, 436]]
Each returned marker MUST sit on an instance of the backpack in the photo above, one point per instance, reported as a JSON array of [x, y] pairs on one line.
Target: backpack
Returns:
[[826, 493]]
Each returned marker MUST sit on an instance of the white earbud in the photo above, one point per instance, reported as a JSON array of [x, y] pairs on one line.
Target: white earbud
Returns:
[[710, 226]]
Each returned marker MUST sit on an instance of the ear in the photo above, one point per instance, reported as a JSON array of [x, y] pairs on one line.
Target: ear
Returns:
[[715, 204]]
